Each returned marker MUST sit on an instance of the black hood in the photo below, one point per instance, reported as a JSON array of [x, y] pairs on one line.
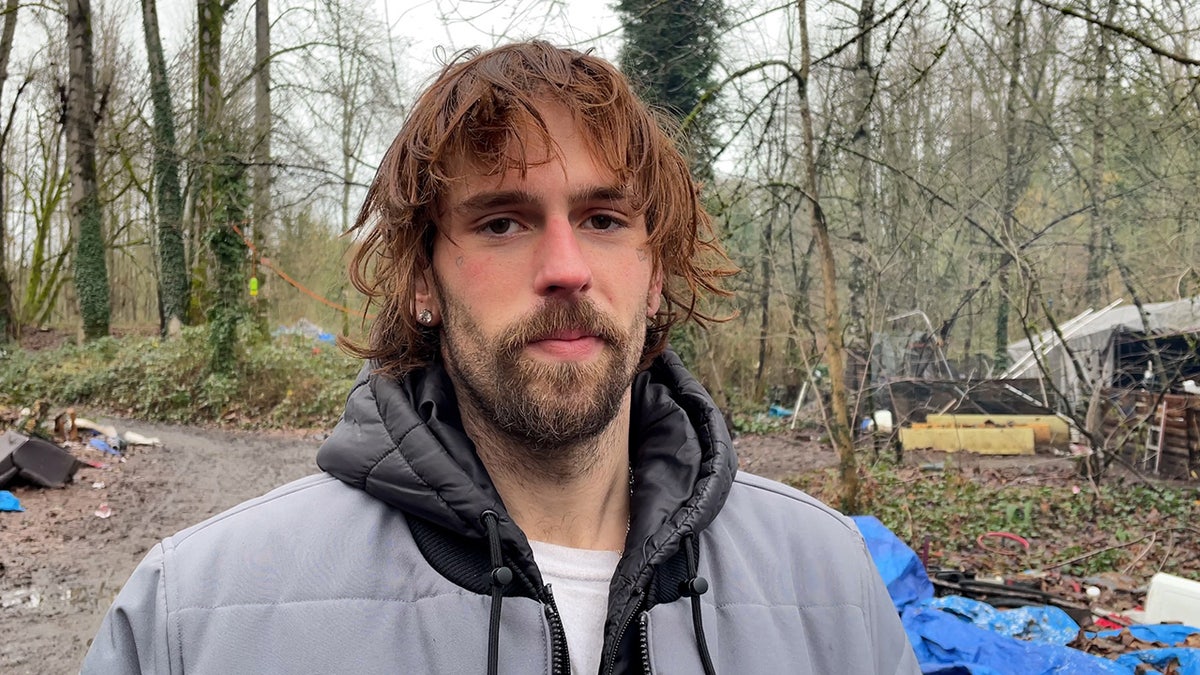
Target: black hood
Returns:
[[402, 442]]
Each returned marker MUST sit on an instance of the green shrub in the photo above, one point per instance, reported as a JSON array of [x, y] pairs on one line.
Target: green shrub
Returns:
[[286, 382]]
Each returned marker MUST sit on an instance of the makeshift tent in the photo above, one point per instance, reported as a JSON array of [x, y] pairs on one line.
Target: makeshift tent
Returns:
[[1114, 346]]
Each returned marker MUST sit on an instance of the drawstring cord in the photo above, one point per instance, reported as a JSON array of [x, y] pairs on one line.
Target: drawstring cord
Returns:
[[501, 577], [694, 587]]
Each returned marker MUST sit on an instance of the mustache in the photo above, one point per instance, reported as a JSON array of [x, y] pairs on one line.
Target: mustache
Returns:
[[556, 316]]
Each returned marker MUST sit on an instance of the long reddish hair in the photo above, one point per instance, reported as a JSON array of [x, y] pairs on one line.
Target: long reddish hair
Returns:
[[472, 116]]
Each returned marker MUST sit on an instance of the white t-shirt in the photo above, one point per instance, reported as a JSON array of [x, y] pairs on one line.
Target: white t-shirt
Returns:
[[579, 579]]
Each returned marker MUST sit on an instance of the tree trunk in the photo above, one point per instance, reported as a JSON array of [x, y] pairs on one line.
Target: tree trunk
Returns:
[[8, 319], [221, 204], [1096, 269], [262, 149], [91, 270], [1012, 183], [172, 273], [858, 335], [839, 419], [764, 299]]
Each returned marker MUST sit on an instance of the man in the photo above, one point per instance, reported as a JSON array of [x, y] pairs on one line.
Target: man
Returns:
[[524, 479]]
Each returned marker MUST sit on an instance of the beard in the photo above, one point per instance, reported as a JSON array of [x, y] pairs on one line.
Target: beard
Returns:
[[543, 406]]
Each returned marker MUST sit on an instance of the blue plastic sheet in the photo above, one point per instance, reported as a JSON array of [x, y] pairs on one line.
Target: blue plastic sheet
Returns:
[[1166, 633], [9, 502], [1187, 661], [100, 444], [945, 644], [898, 564], [1041, 624]]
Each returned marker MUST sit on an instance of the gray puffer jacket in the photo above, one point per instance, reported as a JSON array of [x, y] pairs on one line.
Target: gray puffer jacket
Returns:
[[402, 558]]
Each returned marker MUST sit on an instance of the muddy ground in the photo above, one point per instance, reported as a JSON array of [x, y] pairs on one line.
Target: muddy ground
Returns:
[[61, 564]]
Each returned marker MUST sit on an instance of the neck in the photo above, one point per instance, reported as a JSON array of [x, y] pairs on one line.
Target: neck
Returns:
[[573, 495]]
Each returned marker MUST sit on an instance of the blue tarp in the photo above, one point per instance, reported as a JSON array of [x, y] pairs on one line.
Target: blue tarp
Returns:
[[9, 502], [901, 569], [959, 636], [946, 643], [1041, 624]]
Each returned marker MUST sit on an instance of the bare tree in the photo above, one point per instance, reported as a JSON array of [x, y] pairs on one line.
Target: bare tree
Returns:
[[8, 322], [835, 356], [262, 144]]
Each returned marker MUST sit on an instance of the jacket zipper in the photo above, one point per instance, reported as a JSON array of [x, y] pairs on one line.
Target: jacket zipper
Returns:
[[644, 641], [560, 657], [612, 657]]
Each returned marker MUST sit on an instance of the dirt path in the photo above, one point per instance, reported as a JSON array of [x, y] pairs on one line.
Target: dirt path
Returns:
[[61, 565]]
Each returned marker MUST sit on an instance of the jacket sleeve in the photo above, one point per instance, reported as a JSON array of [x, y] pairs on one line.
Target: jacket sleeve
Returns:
[[133, 636], [893, 652]]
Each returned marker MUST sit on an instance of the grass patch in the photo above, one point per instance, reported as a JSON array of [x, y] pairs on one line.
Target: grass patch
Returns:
[[285, 382]]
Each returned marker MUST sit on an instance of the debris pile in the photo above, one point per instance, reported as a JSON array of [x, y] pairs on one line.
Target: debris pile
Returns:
[[958, 623], [47, 453]]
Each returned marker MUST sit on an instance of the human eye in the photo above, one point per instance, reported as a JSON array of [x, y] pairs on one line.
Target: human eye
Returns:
[[499, 227], [604, 222]]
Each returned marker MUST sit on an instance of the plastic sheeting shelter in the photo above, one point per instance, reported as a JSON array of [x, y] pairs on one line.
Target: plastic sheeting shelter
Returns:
[[1106, 343]]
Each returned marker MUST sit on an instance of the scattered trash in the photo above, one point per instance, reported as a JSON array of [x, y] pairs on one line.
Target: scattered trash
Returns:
[[98, 485], [307, 329], [954, 633], [9, 502], [102, 446], [1173, 598], [1021, 541], [36, 460], [20, 596], [102, 429], [134, 438], [104, 511]]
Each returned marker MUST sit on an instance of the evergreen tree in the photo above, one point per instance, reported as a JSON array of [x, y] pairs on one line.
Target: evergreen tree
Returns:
[[670, 49]]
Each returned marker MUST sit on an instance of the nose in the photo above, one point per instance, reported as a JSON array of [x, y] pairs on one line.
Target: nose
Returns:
[[562, 266]]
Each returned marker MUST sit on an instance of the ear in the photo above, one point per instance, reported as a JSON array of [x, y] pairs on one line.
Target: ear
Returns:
[[654, 295], [425, 297]]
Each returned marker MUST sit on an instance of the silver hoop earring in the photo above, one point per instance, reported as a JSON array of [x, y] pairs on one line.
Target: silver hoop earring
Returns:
[[425, 317]]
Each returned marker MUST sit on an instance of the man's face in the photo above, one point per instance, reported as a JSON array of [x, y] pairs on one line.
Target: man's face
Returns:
[[544, 285]]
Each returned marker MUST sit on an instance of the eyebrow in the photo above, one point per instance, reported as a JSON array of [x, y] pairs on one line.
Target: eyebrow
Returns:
[[485, 201]]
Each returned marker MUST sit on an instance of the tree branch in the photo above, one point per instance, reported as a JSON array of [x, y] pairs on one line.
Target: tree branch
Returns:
[[1123, 32]]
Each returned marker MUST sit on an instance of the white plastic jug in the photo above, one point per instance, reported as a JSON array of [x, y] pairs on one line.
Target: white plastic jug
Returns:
[[1173, 598]]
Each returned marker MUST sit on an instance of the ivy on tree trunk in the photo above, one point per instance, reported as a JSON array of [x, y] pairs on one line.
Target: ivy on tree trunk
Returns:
[[173, 274], [91, 272]]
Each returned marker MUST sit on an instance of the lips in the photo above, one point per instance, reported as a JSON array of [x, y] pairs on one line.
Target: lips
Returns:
[[572, 329], [568, 335]]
